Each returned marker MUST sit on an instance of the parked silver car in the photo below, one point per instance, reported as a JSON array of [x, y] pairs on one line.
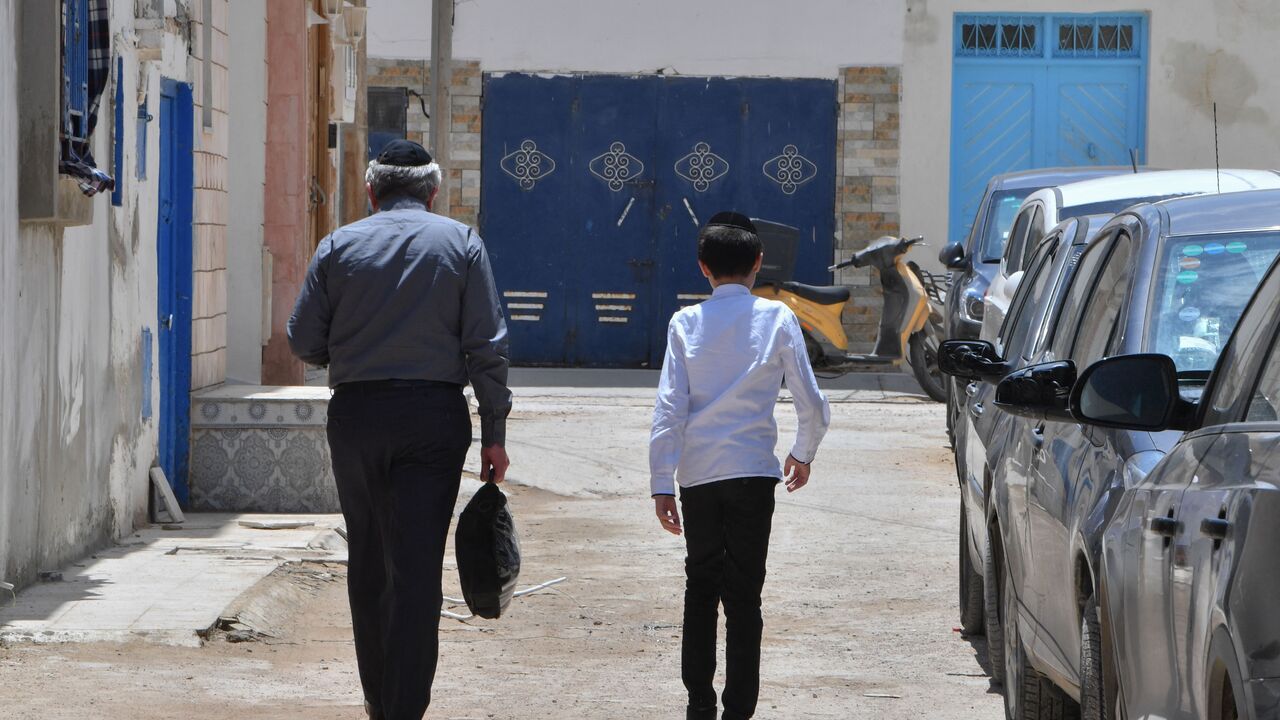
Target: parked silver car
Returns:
[[1189, 562]]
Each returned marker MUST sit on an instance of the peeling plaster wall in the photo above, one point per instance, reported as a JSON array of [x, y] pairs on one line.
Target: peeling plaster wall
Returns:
[[74, 449], [1201, 52]]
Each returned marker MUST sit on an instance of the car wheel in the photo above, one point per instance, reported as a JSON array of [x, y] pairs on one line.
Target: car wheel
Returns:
[[992, 585], [1093, 696], [922, 355], [1028, 695], [972, 609]]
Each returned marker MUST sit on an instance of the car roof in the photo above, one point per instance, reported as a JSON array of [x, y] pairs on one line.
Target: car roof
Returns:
[[1228, 212], [1163, 183], [1047, 177]]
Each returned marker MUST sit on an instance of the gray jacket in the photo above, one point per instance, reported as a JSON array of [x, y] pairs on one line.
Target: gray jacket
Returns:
[[406, 295]]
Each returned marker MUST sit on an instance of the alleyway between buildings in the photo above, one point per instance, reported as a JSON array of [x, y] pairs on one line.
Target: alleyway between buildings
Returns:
[[860, 604]]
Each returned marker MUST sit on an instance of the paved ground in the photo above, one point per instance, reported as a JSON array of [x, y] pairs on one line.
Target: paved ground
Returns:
[[860, 603]]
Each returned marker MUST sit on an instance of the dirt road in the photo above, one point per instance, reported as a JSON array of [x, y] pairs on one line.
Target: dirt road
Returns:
[[860, 605]]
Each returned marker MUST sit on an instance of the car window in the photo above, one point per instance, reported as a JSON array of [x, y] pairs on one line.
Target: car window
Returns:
[[1238, 368], [1018, 324], [1017, 242], [1081, 285], [1202, 285], [1264, 406], [1111, 207], [1000, 215], [1035, 233], [1098, 322]]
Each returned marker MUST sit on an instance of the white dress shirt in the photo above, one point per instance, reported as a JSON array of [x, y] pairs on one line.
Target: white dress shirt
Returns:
[[726, 360]]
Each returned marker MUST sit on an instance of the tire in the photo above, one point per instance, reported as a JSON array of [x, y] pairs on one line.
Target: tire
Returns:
[[1093, 696], [1028, 695], [972, 609], [922, 354], [817, 358], [993, 624]]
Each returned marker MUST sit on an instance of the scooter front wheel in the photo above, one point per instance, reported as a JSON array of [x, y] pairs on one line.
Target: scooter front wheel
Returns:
[[923, 357]]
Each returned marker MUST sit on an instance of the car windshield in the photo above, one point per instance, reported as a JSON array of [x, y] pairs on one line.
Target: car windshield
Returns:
[[1202, 286], [1000, 214]]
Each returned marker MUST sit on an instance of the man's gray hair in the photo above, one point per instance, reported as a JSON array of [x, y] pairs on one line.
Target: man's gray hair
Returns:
[[394, 180]]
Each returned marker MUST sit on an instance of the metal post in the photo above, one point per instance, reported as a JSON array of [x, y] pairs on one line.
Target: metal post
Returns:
[[441, 79]]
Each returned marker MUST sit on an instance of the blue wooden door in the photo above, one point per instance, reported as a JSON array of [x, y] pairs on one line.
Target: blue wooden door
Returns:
[[1034, 91], [526, 219], [596, 249], [762, 147], [174, 262], [610, 265]]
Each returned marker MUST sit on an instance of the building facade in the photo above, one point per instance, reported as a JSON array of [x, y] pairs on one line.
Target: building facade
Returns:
[[121, 304], [931, 98]]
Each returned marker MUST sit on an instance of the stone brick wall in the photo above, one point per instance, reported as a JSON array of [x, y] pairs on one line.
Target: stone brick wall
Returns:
[[463, 171], [209, 229], [866, 185]]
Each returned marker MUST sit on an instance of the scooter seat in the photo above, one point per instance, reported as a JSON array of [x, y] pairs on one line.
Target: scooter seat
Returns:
[[820, 295]]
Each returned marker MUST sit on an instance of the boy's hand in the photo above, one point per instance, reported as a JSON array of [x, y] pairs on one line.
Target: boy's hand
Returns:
[[668, 513], [797, 474]]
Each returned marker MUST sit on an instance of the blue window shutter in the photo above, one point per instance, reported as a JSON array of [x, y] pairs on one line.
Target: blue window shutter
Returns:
[[117, 193], [75, 64], [140, 157]]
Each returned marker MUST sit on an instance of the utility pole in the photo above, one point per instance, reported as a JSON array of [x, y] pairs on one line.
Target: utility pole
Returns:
[[441, 105]]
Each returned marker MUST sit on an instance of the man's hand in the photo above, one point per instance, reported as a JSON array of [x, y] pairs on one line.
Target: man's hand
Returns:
[[493, 464], [797, 474], [668, 513]]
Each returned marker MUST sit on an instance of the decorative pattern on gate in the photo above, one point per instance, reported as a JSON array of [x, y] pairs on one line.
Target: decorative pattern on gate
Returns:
[[702, 167], [528, 165], [616, 166], [790, 169]]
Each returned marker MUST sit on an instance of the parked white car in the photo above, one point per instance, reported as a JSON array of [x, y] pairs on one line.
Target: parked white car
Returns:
[[1044, 209]]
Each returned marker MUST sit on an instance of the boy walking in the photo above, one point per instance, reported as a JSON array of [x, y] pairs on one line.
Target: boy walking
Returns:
[[714, 432]]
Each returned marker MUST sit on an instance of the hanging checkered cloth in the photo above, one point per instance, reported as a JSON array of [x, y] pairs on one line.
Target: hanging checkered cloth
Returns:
[[77, 158]]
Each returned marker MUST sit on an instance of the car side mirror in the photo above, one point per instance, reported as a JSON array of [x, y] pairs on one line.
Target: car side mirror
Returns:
[[1132, 392], [1040, 391], [1012, 282], [953, 257], [971, 360]]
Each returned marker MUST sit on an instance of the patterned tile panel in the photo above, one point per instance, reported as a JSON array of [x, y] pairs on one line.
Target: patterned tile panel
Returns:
[[269, 470], [261, 450]]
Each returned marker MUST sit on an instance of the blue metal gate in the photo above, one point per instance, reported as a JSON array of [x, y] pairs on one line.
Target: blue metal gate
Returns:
[[1033, 91], [174, 260], [595, 185]]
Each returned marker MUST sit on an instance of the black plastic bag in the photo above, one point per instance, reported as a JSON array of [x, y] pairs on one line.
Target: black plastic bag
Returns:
[[488, 552]]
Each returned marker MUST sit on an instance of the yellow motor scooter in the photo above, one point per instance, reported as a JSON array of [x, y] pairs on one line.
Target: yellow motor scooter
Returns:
[[910, 324]]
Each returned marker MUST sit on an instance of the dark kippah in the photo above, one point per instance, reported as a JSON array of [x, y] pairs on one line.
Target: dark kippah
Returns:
[[404, 153], [733, 220]]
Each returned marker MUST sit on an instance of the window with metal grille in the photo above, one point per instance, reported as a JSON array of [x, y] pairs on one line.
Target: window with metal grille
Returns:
[[999, 36], [388, 115], [1098, 37]]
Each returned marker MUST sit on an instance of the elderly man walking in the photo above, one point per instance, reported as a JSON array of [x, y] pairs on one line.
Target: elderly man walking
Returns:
[[402, 308]]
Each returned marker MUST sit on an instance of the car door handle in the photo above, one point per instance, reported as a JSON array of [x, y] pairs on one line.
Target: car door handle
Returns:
[[976, 410], [1215, 528], [1037, 437], [1163, 526]]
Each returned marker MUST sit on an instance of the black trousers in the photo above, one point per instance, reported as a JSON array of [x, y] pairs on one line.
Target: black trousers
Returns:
[[398, 450], [726, 528]]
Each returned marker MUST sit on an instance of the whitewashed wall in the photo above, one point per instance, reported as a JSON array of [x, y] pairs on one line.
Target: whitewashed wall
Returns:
[[74, 449], [247, 172], [1223, 50], [802, 38]]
